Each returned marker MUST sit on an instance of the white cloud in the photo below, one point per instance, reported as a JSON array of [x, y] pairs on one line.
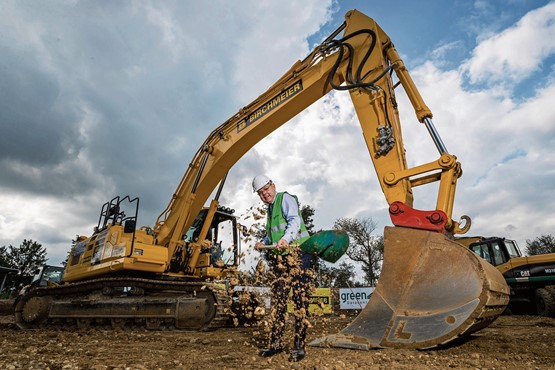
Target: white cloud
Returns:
[[173, 38], [504, 144], [514, 53], [50, 221], [319, 154], [443, 51], [115, 98]]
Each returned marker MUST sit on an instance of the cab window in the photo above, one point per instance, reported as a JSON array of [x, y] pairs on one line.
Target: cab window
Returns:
[[482, 251], [512, 249], [498, 255]]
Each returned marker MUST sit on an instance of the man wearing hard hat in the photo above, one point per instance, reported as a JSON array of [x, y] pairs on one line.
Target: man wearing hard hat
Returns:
[[290, 267]]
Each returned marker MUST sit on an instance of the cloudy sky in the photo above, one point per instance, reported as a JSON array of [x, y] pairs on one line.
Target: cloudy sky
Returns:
[[105, 98]]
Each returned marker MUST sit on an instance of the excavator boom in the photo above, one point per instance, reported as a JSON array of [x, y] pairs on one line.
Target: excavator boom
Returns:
[[362, 62]]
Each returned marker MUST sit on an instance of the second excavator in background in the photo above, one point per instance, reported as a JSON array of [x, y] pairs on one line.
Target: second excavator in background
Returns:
[[432, 290], [530, 278]]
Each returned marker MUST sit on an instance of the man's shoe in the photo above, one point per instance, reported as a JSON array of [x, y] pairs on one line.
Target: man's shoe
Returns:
[[296, 354], [270, 351]]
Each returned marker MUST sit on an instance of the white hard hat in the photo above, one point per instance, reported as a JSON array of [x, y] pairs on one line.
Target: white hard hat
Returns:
[[259, 182]]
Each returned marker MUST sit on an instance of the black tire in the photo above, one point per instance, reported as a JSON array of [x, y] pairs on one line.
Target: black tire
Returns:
[[545, 302], [521, 308]]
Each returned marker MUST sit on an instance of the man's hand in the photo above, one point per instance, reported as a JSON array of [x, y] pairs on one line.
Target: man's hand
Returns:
[[282, 244]]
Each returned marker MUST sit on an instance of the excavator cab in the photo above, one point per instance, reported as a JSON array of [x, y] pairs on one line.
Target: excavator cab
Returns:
[[48, 275], [223, 249]]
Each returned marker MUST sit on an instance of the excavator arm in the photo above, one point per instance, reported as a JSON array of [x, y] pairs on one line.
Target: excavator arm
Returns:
[[431, 289], [361, 62]]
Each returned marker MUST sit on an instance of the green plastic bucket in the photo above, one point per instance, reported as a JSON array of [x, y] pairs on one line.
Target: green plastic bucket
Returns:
[[329, 245]]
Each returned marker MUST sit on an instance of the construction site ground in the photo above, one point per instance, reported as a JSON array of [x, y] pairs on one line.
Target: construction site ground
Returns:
[[512, 342]]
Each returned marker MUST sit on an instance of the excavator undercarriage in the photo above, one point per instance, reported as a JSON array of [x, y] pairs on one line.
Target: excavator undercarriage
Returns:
[[134, 302]]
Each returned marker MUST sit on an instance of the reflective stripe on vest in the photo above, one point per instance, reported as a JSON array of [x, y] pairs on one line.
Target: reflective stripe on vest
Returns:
[[276, 223]]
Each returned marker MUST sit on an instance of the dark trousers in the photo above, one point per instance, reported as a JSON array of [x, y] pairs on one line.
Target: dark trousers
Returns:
[[290, 273]]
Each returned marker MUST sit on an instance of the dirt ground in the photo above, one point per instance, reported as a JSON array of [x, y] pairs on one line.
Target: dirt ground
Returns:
[[512, 342]]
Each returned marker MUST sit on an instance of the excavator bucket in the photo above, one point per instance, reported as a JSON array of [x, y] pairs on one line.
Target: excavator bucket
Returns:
[[431, 291]]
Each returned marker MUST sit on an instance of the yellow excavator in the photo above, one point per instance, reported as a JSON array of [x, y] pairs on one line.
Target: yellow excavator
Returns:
[[431, 290]]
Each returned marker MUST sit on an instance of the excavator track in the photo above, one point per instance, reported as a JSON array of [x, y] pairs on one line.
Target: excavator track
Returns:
[[126, 302]]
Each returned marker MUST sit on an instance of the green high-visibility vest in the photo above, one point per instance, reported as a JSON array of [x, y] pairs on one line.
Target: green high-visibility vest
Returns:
[[276, 223]]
